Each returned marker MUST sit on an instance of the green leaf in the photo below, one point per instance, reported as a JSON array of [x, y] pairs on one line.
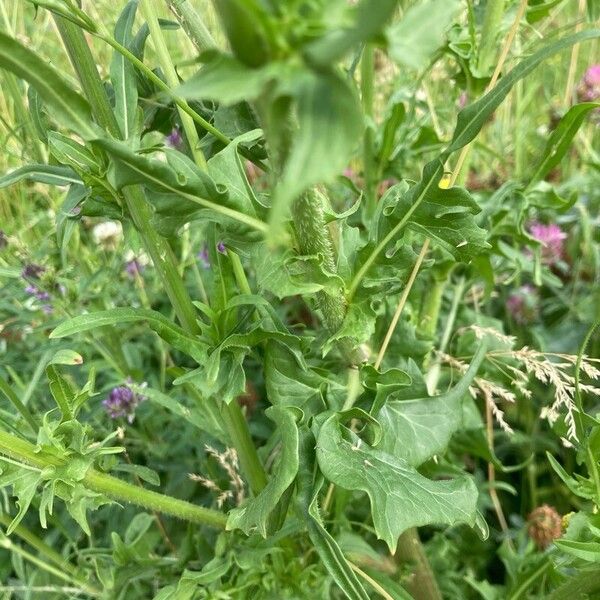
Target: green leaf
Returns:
[[419, 428], [327, 548], [66, 357], [536, 12], [289, 382], [63, 102], [589, 551], [146, 474], [583, 489], [228, 81], [49, 174], [420, 33], [203, 414], [178, 179], [69, 152], [284, 273], [122, 73], [61, 390], [445, 216], [559, 141], [254, 514], [368, 18], [226, 168], [329, 127], [24, 484], [166, 329], [400, 496]]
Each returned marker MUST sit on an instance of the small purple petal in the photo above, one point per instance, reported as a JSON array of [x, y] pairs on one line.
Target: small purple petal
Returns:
[[133, 268], [204, 257], [174, 139], [222, 248], [122, 402]]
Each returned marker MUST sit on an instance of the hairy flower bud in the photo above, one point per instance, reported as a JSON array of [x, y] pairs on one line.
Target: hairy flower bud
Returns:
[[544, 525]]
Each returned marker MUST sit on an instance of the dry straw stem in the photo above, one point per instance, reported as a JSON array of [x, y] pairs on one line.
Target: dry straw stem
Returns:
[[402, 302]]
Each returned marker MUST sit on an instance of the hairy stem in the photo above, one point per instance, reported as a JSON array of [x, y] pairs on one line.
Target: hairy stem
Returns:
[[117, 489], [192, 24], [422, 584]]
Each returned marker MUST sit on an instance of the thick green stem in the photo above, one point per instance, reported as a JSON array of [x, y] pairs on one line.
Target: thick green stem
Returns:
[[237, 429], [433, 375], [117, 489], [367, 76], [313, 238], [494, 11], [428, 318], [192, 24], [422, 584]]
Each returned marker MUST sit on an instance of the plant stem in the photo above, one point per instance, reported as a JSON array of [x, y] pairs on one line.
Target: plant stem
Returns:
[[164, 58], [494, 11], [401, 303], [433, 375], [499, 66], [237, 429], [422, 585], [574, 56], [192, 24], [157, 247], [525, 585], [429, 315], [117, 489], [366, 85]]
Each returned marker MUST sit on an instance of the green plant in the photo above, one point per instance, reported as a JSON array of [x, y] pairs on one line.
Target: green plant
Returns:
[[244, 160]]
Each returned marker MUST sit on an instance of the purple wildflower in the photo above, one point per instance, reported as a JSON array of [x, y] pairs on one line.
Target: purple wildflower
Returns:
[[523, 304], [47, 309], [204, 257], [133, 268], [3, 240], [122, 402], [32, 271], [221, 248], [552, 238], [41, 295], [588, 89], [174, 139]]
